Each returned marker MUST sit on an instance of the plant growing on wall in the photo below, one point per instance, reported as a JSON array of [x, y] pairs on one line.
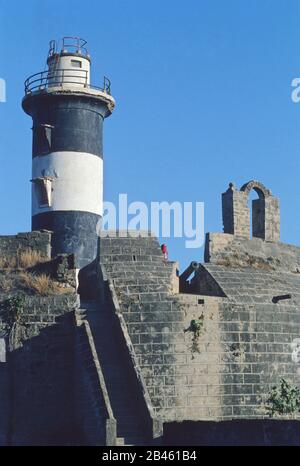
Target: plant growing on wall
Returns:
[[14, 307], [12, 315], [196, 327], [237, 350], [284, 399]]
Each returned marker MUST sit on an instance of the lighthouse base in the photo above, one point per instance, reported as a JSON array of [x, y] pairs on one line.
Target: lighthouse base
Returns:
[[73, 232]]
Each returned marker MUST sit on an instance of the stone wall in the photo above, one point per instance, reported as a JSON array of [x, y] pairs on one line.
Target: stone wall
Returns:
[[41, 367], [61, 269], [93, 411], [236, 212], [150, 425], [226, 249], [40, 241], [4, 392], [233, 433], [258, 334], [266, 218], [158, 321], [53, 387], [245, 344], [257, 351], [51, 392]]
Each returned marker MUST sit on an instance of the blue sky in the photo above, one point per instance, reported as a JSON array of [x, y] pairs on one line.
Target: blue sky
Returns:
[[203, 91]]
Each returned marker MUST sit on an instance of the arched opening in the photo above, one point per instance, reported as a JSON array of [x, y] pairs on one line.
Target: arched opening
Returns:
[[256, 193], [256, 206], [252, 197], [251, 211]]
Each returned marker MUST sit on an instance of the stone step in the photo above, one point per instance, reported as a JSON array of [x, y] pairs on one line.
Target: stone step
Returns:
[[114, 368], [127, 258], [145, 265], [146, 288], [146, 298], [120, 441], [129, 241], [151, 280], [133, 251], [141, 272], [138, 279], [132, 259], [146, 268]]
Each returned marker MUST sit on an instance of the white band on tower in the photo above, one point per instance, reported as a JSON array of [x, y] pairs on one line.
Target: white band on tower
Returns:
[[74, 181]]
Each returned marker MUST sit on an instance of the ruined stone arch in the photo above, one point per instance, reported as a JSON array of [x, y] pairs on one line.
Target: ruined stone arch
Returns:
[[265, 212], [258, 187]]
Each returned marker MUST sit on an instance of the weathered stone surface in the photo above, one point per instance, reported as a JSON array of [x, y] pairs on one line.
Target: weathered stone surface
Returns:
[[157, 323], [189, 359], [40, 241], [236, 213], [233, 251], [41, 363], [246, 342]]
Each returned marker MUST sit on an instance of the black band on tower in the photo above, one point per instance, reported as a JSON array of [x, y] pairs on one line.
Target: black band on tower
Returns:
[[73, 232], [67, 123]]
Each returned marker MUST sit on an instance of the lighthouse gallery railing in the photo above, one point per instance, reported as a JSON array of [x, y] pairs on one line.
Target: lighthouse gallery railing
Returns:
[[60, 78]]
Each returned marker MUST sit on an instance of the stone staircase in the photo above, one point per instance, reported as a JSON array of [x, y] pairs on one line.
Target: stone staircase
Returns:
[[115, 370], [143, 282], [145, 287], [136, 266]]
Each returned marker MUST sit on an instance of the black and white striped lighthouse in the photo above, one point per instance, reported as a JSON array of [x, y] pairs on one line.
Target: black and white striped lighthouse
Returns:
[[67, 166]]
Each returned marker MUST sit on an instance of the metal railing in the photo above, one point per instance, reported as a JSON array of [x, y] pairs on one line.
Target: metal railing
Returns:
[[62, 78], [75, 45], [69, 44]]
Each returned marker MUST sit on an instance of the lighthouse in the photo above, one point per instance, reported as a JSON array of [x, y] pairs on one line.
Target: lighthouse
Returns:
[[67, 112]]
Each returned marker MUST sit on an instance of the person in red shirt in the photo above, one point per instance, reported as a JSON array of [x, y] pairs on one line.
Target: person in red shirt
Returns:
[[164, 250]]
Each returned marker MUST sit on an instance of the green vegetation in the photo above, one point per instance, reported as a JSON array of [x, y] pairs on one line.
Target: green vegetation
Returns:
[[284, 399], [196, 326]]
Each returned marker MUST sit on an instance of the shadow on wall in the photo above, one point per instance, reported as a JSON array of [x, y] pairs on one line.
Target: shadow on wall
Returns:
[[42, 387], [88, 283], [268, 432]]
